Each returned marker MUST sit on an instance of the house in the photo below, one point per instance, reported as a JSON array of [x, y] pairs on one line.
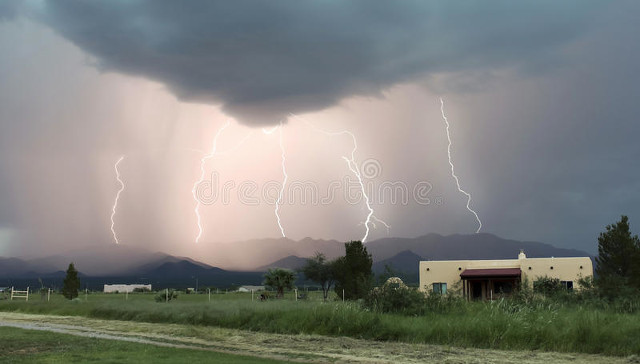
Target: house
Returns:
[[251, 288], [122, 288], [486, 279]]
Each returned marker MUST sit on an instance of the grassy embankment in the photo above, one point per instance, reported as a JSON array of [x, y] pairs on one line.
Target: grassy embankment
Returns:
[[499, 325]]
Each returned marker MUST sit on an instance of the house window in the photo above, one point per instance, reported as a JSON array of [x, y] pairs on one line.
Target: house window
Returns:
[[568, 285], [503, 287], [440, 288]]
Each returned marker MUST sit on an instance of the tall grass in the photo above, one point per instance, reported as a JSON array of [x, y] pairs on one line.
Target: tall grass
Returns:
[[505, 324]]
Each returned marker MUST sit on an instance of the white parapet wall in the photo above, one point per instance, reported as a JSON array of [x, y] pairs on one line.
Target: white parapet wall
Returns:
[[122, 288]]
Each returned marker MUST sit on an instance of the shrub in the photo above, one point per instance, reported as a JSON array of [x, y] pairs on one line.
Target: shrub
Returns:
[[395, 296], [164, 296], [547, 286]]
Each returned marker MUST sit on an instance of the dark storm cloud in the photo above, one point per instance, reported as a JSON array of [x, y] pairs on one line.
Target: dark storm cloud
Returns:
[[262, 60], [9, 9]]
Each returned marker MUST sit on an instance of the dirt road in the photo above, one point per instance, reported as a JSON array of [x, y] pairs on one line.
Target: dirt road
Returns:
[[304, 348]]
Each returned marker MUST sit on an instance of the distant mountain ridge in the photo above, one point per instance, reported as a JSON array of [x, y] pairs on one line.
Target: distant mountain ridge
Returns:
[[234, 255], [401, 253], [405, 261], [428, 247], [462, 247], [291, 262]]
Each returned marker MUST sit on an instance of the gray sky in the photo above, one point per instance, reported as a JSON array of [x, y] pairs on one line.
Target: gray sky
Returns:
[[542, 97]]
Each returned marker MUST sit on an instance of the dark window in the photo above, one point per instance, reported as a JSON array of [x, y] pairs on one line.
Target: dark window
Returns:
[[503, 287], [440, 288], [568, 285]]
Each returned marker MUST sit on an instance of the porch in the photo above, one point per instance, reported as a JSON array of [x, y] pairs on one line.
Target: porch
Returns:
[[487, 284]]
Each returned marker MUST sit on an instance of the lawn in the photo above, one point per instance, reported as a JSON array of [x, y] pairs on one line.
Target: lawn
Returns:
[[30, 346], [495, 325]]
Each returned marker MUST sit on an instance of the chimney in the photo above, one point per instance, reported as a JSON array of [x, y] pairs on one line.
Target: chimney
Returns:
[[522, 255]]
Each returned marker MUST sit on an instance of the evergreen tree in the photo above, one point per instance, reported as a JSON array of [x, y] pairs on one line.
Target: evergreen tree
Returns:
[[71, 283], [353, 271], [618, 256]]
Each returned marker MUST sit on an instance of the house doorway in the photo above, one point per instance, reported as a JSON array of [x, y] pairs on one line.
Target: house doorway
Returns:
[[476, 290]]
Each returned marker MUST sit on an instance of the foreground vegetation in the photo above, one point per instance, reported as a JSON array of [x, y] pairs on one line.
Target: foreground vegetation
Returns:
[[538, 324], [314, 348], [28, 346], [603, 317]]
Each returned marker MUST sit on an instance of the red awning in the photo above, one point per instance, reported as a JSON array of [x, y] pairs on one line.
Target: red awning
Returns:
[[491, 273]]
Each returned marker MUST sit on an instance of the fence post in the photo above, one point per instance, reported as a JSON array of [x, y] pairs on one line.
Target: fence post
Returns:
[[48, 294], [251, 295], [11, 293], [166, 294], [27, 294], [343, 295], [296, 290], [209, 291]]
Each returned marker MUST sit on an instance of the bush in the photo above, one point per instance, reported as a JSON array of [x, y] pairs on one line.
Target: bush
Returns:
[[395, 296], [547, 286], [164, 296]]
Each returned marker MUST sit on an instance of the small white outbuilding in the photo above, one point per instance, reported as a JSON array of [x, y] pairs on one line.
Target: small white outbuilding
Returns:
[[122, 288], [251, 288]]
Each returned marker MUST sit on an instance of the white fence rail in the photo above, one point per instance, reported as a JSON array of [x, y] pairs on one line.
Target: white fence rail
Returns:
[[20, 294]]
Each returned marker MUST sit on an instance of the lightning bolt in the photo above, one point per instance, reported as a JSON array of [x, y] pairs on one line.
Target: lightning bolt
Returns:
[[353, 167], [115, 203], [272, 130], [381, 222], [453, 174], [284, 174], [203, 161]]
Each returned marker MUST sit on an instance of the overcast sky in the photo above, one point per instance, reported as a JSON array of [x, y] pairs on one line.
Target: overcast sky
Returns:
[[542, 98]]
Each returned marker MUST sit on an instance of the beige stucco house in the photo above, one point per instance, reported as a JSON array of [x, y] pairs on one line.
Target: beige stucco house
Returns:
[[486, 279]]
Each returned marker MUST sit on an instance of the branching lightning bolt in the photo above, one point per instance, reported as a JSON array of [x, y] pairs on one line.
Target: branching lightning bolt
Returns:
[[115, 203], [203, 161], [353, 167], [381, 222], [284, 174], [453, 174]]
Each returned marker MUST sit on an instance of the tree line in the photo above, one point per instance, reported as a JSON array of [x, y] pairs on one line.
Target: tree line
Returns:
[[350, 275]]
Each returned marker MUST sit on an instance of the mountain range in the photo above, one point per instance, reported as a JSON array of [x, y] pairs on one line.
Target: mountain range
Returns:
[[234, 265]]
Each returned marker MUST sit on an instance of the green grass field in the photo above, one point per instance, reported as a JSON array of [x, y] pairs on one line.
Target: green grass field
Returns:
[[29, 346], [497, 325]]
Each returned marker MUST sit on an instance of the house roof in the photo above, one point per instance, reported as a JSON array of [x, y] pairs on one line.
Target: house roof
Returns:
[[495, 272]]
